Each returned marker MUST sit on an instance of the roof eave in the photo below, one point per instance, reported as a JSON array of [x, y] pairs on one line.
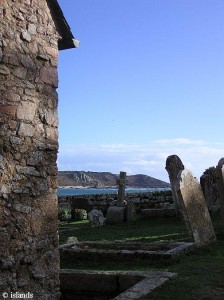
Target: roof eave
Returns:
[[67, 40]]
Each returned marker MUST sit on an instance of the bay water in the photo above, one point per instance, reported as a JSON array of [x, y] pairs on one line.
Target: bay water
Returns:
[[95, 191]]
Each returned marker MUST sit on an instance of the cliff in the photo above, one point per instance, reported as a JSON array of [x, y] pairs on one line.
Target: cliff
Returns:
[[106, 179]]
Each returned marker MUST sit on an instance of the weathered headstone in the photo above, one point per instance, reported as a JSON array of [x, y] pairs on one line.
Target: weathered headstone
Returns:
[[173, 166], [208, 182], [96, 218], [121, 189], [196, 212], [220, 184], [130, 212]]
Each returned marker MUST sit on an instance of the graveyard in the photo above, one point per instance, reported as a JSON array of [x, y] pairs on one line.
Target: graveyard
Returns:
[[200, 271], [183, 250], [170, 247]]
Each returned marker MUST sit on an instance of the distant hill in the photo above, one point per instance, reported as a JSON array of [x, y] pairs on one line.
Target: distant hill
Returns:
[[106, 179]]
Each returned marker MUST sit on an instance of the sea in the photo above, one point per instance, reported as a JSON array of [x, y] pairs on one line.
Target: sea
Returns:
[[95, 191]]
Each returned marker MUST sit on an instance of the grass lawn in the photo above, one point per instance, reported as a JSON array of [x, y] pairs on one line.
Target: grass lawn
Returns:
[[200, 273]]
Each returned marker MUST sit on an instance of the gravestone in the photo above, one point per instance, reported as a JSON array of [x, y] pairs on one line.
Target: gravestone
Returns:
[[196, 212], [121, 189], [96, 218], [220, 184], [208, 182], [173, 166], [130, 212]]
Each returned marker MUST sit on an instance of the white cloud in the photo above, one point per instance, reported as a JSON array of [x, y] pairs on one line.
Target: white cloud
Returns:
[[179, 141], [147, 159]]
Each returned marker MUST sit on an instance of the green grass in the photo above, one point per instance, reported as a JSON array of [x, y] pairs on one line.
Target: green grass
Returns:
[[200, 273], [152, 230], [200, 276]]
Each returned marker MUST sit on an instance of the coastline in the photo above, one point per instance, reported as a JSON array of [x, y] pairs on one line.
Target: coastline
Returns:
[[81, 187], [81, 190]]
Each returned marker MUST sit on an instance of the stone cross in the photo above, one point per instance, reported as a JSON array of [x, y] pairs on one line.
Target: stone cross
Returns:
[[173, 166], [196, 214], [220, 184], [121, 189]]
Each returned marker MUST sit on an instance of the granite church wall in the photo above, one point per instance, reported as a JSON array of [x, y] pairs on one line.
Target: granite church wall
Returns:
[[29, 260]]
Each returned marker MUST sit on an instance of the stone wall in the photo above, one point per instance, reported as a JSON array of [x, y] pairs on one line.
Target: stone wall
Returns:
[[28, 149], [103, 202]]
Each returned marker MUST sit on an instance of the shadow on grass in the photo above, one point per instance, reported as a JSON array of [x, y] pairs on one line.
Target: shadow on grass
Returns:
[[150, 230], [200, 273]]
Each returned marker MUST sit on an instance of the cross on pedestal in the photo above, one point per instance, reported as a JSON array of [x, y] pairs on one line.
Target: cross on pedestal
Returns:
[[121, 189]]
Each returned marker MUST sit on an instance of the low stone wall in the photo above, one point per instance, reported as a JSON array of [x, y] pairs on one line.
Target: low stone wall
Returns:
[[103, 202]]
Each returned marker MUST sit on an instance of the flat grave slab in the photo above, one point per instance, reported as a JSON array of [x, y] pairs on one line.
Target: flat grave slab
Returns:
[[129, 250], [110, 285]]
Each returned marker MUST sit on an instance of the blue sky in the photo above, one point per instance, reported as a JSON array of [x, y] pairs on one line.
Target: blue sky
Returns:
[[145, 83]]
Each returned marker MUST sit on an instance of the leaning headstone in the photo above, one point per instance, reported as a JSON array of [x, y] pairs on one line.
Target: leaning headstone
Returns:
[[196, 212], [96, 218], [220, 184], [173, 166], [121, 189]]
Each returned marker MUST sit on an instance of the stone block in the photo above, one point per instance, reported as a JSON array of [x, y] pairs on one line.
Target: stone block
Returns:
[[27, 171], [26, 130], [26, 110], [4, 242], [115, 214], [32, 29], [4, 70], [51, 133], [49, 76], [10, 95], [8, 110], [25, 36], [50, 117], [20, 72]]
